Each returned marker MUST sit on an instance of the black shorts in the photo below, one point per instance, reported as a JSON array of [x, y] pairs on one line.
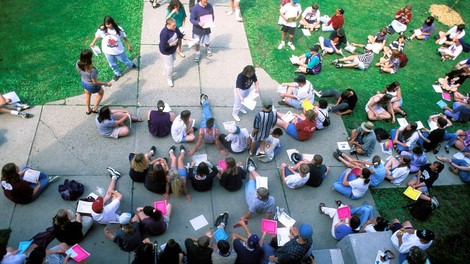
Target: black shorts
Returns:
[[290, 30]]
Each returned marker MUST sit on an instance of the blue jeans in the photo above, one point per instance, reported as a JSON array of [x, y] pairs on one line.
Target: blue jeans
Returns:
[[364, 211], [43, 181], [451, 114], [464, 175], [206, 114], [250, 186], [345, 190], [400, 148], [112, 60], [450, 138]]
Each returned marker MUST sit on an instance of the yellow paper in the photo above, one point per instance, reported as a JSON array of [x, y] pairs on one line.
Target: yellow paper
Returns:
[[307, 105], [412, 193]]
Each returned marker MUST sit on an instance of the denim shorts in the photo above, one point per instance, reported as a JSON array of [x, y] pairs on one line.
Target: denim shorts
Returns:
[[91, 88]]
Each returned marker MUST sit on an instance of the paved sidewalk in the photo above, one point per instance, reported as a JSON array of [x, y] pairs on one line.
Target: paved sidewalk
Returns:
[[62, 140]]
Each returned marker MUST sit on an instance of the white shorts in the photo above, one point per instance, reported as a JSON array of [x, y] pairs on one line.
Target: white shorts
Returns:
[[204, 39], [361, 65], [115, 133]]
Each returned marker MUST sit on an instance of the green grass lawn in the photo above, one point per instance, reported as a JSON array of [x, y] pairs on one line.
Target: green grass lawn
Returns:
[[41, 41], [362, 18]]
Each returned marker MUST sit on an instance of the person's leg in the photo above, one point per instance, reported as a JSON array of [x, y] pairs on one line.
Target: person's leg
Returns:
[[168, 209], [206, 114], [364, 213], [250, 186], [99, 97], [124, 59], [44, 182], [123, 131], [113, 64], [237, 105], [87, 223], [87, 100], [339, 107], [111, 186], [339, 187], [168, 66]]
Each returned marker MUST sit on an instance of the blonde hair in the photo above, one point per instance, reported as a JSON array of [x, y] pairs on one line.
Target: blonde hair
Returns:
[[139, 163], [304, 169], [176, 183]]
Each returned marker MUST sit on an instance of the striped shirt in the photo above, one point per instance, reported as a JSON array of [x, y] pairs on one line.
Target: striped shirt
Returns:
[[366, 58], [264, 121]]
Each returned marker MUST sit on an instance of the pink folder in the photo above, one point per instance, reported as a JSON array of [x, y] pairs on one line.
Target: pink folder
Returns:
[[269, 226], [344, 212], [222, 164], [81, 253], [160, 205]]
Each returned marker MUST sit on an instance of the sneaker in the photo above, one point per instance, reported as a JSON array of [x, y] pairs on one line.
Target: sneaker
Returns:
[[447, 149], [250, 163], [239, 19], [153, 149], [338, 202], [339, 65], [280, 46], [197, 58], [334, 62], [318, 93], [172, 149], [236, 117], [260, 155], [434, 202], [229, 12], [291, 46], [243, 111], [320, 206], [281, 102], [203, 98], [25, 115], [225, 216], [134, 66], [52, 179], [218, 220], [209, 52], [353, 150], [113, 171], [116, 77], [182, 149], [328, 108], [436, 150], [169, 82], [21, 107]]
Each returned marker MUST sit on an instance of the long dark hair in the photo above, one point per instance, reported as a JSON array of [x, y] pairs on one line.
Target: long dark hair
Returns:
[[391, 87], [431, 20], [173, 4], [202, 169], [407, 133], [85, 63], [158, 174], [153, 213], [9, 173], [385, 99], [36, 256], [366, 175], [110, 20], [104, 114], [232, 168]]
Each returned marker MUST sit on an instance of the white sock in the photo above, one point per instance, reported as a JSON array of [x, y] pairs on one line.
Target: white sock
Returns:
[[14, 112]]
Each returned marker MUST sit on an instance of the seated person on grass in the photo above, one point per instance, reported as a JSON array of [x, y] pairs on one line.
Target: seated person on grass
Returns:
[[335, 22], [361, 62], [182, 128], [310, 18], [294, 178], [297, 92], [301, 127], [459, 112], [425, 178], [379, 107], [346, 101], [464, 64], [334, 43], [452, 52], [425, 31], [447, 38], [377, 41], [310, 62], [453, 80], [363, 140], [14, 109], [390, 65], [398, 44]]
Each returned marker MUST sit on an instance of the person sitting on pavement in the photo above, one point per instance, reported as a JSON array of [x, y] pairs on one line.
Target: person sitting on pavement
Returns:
[[159, 121], [297, 92], [460, 112], [264, 121], [139, 164], [363, 140], [258, 200], [128, 237], [346, 101], [310, 18], [405, 138], [375, 108], [373, 225], [310, 62], [173, 253], [340, 227], [424, 180], [236, 141], [208, 131], [376, 167], [430, 140], [158, 181], [296, 249], [68, 229], [459, 167], [301, 127], [153, 220], [397, 169], [317, 170], [222, 253], [202, 177], [178, 173], [321, 111], [198, 250], [333, 45], [353, 183], [361, 62], [14, 109], [247, 248], [110, 123], [182, 129], [232, 177], [104, 210], [272, 145], [405, 236], [294, 178], [418, 158]]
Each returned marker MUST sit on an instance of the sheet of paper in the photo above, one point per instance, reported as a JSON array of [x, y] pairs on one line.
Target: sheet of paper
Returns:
[[199, 158], [460, 155], [207, 20], [294, 59], [432, 125], [261, 182], [306, 32], [437, 88], [286, 220], [249, 103], [84, 207], [281, 88], [198, 222], [350, 48], [288, 117], [31, 176], [12, 96], [252, 95], [343, 145], [420, 125], [167, 108], [385, 150], [229, 124], [283, 236], [96, 50], [402, 122], [308, 157]]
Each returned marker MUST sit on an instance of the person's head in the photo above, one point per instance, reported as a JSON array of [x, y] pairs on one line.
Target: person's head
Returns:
[[36, 256], [85, 62], [460, 27], [441, 122], [425, 235], [340, 32], [354, 223], [160, 106], [416, 256], [365, 173], [263, 193], [385, 99], [300, 80], [202, 169], [185, 114], [383, 31], [393, 86], [223, 246], [340, 12], [310, 115], [139, 163], [376, 160], [249, 71], [317, 160], [109, 23], [409, 130], [315, 49], [158, 174], [408, 8], [405, 161], [253, 241], [395, 54], [232, 168], [367, 127], [429, 20], [203, 242], [437, 166], [322, 103], [174, 4], [210, 123], [203, 3], [294, 2], [61, 219], [176, 183], [381, 225], [104, 114], [97, 205], [10, 173], [304, 169], [305, 231], [277, 132], [417, 150], [267, 103], [171, 23], [315, 6], [153, 213]]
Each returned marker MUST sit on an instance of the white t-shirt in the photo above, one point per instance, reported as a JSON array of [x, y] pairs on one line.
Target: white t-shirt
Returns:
[[111, 42], [304, 92], [295, 181], [370, 228], [408, 240], [399, 174], [239, 141], [308, 14], [411, 141], [358, 187], [290, 11], [108, 214], [454, 50], [321, 116], [178, 129], [270, 144], [453, 33]]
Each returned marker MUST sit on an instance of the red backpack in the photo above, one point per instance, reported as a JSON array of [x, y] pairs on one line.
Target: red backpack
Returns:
[[403, 59]]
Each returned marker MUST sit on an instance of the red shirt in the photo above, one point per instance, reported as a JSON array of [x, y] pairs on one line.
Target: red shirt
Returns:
[[336, 21], [305, 129], [21, 192], [407, 15]]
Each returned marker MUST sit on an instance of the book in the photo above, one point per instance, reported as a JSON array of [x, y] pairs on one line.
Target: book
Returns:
[[12, 96], [294, 59], [441, 104], [220, 234], [307, 105], [343, 145], [306, 32], [437, 88], [283, 236], [402, 122], [308, 157], [96, 50], [77, 253], [268, 226], [288, 117], [291, 19], [84, 207], [208, 21], [386, 148], [199, 158], [31, 176], [412, 193], [222, 164], [344, 212], [281, 88], [350, 48], [286, 220], [290, 152], [419, 125], [167, 108], [23, 245], [249, 103], [198, 222], [356, 171], [460, 155], [446, 96], [261, 182], [161, 206]]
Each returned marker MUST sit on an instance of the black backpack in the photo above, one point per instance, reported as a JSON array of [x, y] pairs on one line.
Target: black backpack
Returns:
[[327, 121], [381, 134], [71, 190], [421, 209]]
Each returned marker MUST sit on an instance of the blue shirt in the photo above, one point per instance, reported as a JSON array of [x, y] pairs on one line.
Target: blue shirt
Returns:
[[378, 176], [342, 231]]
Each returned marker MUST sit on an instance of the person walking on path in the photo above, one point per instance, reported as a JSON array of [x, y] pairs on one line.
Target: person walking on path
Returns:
[[170, 36], [202, 18]]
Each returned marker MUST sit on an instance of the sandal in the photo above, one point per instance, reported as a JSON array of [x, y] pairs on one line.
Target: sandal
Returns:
[[94, 111], [403, 113], [320, 207], [181, 54], [88, 112], [453, 170]]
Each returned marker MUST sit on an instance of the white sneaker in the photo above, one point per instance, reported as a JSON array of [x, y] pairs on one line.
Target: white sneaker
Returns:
[[170, 82], [209, 52], [236, 117], [281, 45], [292, 47], [243, 111], [229, 12]]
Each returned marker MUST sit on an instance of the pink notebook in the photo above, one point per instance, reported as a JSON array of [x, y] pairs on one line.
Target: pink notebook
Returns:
[[356, 171], [269, 226], [446, 96], [344, 212], [160, 205], [77, 253], [222, 164]]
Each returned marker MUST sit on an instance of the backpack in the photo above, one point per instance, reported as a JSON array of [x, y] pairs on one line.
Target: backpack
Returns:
[[403, 59], [381, 134], [421, 209], [71, 190], [327, 121]]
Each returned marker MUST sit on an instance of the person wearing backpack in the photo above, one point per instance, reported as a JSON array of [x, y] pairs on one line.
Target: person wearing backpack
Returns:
[[323, 117]]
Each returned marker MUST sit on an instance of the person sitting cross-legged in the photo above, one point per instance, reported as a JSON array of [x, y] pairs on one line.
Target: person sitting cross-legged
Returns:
[[459, 167], [310, 62], [294, 178], [425, 178]]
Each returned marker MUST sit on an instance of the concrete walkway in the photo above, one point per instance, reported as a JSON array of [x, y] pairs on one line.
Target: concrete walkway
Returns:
[[62, 140]]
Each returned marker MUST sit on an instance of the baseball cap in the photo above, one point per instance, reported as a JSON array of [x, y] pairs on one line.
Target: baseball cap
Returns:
[[97, 205], [305, 231], [253, 241], [124, 218], [369, 47], [267, 102]]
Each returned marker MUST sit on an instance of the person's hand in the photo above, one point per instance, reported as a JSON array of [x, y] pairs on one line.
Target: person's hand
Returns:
[[400, 233], [208, 233], [224, 153], [201, 24], [139, 209], [294, 231], [191, 152], [188, 197], [175, 10], [109, 84], [146, 241], [394, 120], [129, 48], [166, 196]]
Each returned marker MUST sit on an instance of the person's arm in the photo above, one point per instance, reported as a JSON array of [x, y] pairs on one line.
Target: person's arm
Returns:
[[121, 120], [391, 111], [423, 137], [92, 44], [198, 143], [246, 216], [218, 144], [3, 100], [371, 107], [345, 179], [129, 47], [36, 188], [245, 228], [166, 195], [109, 234]]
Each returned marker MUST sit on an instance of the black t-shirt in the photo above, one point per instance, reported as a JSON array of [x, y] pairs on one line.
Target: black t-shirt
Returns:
[[316, 174], [233, 182], [202, 185], [244, 82], [427, 175], [351, 101], [170, 255], [435, 137], [154, 186], [70, 234], [341, 40], [137, 176], [197, 255]]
